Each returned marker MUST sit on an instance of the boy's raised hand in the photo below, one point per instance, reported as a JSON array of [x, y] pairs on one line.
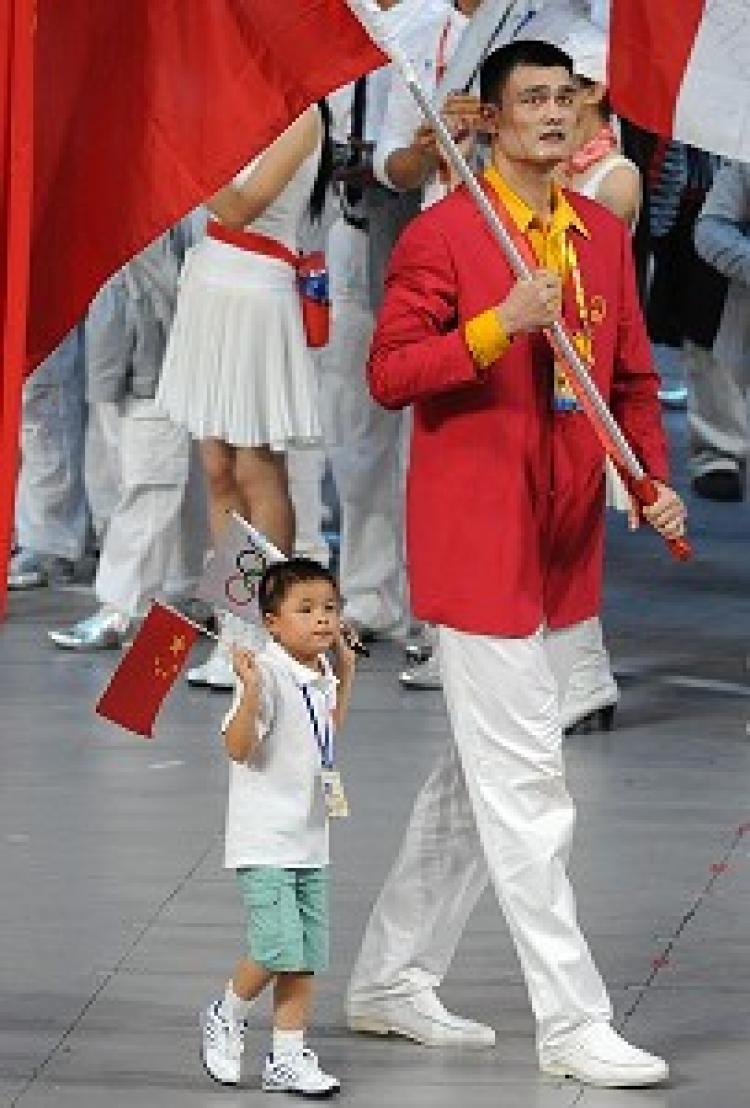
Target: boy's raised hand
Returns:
[[243, 662]]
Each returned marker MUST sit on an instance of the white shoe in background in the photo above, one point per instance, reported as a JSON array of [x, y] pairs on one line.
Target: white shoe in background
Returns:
[[215, 673], [424, 675]]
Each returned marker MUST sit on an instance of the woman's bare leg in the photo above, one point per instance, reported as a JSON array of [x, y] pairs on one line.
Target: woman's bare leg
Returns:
[[218, 460], [260, 476]]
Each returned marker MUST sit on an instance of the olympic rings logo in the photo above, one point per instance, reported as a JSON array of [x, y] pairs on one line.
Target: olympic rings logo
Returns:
[[241, 588]]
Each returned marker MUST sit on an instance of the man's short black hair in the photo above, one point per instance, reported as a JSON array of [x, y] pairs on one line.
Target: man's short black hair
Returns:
[[279, 578], [498, 66]]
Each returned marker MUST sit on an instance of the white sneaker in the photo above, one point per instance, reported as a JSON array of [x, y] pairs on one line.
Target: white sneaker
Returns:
[[222, 1045], [215, 673], [301, 1075], [424, 675], [421, 1018], [597, 1055]]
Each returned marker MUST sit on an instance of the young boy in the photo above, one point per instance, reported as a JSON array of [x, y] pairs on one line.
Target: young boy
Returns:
[[279, 736]]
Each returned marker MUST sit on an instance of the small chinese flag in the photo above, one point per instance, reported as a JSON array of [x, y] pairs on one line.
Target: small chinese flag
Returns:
[[145, 675]]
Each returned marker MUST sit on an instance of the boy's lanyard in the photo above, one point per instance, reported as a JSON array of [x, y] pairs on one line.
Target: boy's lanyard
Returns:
[[324, 738]]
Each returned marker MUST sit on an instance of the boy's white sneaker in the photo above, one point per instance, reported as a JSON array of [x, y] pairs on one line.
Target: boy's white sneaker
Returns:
[[222, 1045], [301, 1075]]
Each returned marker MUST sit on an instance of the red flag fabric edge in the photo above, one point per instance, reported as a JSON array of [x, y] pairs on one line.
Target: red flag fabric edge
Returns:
[[649, 48], [17, 21], [147, 672]]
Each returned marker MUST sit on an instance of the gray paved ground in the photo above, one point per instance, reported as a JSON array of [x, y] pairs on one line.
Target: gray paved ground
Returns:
[[117, 923]]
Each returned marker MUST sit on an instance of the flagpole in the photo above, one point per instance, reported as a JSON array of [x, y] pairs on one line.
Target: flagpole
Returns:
[[186, 619], [641, 485]]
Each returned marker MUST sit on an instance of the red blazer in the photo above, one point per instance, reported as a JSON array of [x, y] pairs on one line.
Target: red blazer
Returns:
[[505, 499]]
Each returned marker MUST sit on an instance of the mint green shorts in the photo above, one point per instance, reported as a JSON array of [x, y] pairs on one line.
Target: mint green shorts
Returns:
[[287, 918]]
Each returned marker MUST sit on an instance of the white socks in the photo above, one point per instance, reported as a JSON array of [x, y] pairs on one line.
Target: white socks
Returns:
[[235, 1009], [287, 1044]]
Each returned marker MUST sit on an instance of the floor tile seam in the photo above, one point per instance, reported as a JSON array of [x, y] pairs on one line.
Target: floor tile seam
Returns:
[[114, 971], [717, 871]]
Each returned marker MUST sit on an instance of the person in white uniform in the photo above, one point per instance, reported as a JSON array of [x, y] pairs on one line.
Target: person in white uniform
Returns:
[[153, 542], [366, 445], [405, 161], [238, 373], [718, 415]]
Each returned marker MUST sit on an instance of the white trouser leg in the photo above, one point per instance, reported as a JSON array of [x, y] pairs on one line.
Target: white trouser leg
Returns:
[[102, 467], [590, 683], [364, 444], [145, 526], [188, 554], [305, 467], [717, 412], [429, 894], [51, 512], [503, 703]]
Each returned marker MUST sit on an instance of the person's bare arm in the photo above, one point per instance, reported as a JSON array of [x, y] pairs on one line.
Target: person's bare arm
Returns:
[[410, 167], [620, 191], [238, 205], [241, 734]]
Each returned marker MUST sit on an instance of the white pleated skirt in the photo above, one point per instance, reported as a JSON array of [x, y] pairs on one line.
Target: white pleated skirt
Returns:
[[237, 366]]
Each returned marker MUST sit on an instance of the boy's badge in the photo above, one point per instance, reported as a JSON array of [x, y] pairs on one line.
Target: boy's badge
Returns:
[[337, 806]]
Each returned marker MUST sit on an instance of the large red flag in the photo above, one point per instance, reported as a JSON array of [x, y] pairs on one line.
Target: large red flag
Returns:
[[141, 109], [679, 68], [148, 671], [16, 143], [144, 108]]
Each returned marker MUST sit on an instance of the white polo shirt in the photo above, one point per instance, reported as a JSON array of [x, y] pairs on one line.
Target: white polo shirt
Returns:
[[275, 812]]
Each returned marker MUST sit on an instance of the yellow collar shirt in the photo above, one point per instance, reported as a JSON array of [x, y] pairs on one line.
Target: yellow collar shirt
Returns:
[[484, 334]]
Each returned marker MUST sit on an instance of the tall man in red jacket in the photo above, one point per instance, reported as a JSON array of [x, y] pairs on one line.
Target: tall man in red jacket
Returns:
[[505, 510]]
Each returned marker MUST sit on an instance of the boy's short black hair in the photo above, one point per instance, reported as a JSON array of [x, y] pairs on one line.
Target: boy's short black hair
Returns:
[[498, 66], [279, 578]]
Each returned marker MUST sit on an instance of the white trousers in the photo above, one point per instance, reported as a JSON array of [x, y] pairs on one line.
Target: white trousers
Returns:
[[155, 538], [718, 419], [51, 513], [494, 807], [365, 443], [590, 683]]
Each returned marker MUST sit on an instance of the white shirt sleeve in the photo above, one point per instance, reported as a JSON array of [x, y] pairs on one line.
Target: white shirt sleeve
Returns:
[[266, 703], [402, 118], [402, 114]]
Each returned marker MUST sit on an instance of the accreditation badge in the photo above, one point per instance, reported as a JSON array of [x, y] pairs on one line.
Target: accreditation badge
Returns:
[[564, 398], [337, 806]]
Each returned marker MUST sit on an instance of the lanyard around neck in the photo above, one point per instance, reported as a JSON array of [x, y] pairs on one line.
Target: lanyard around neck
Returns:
[[323, 737]]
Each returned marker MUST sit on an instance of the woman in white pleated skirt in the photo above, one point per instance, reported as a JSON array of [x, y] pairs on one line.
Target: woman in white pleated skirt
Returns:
[[238, 373]]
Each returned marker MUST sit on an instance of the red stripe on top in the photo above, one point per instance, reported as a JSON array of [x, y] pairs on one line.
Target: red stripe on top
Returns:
[[650, 46]]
